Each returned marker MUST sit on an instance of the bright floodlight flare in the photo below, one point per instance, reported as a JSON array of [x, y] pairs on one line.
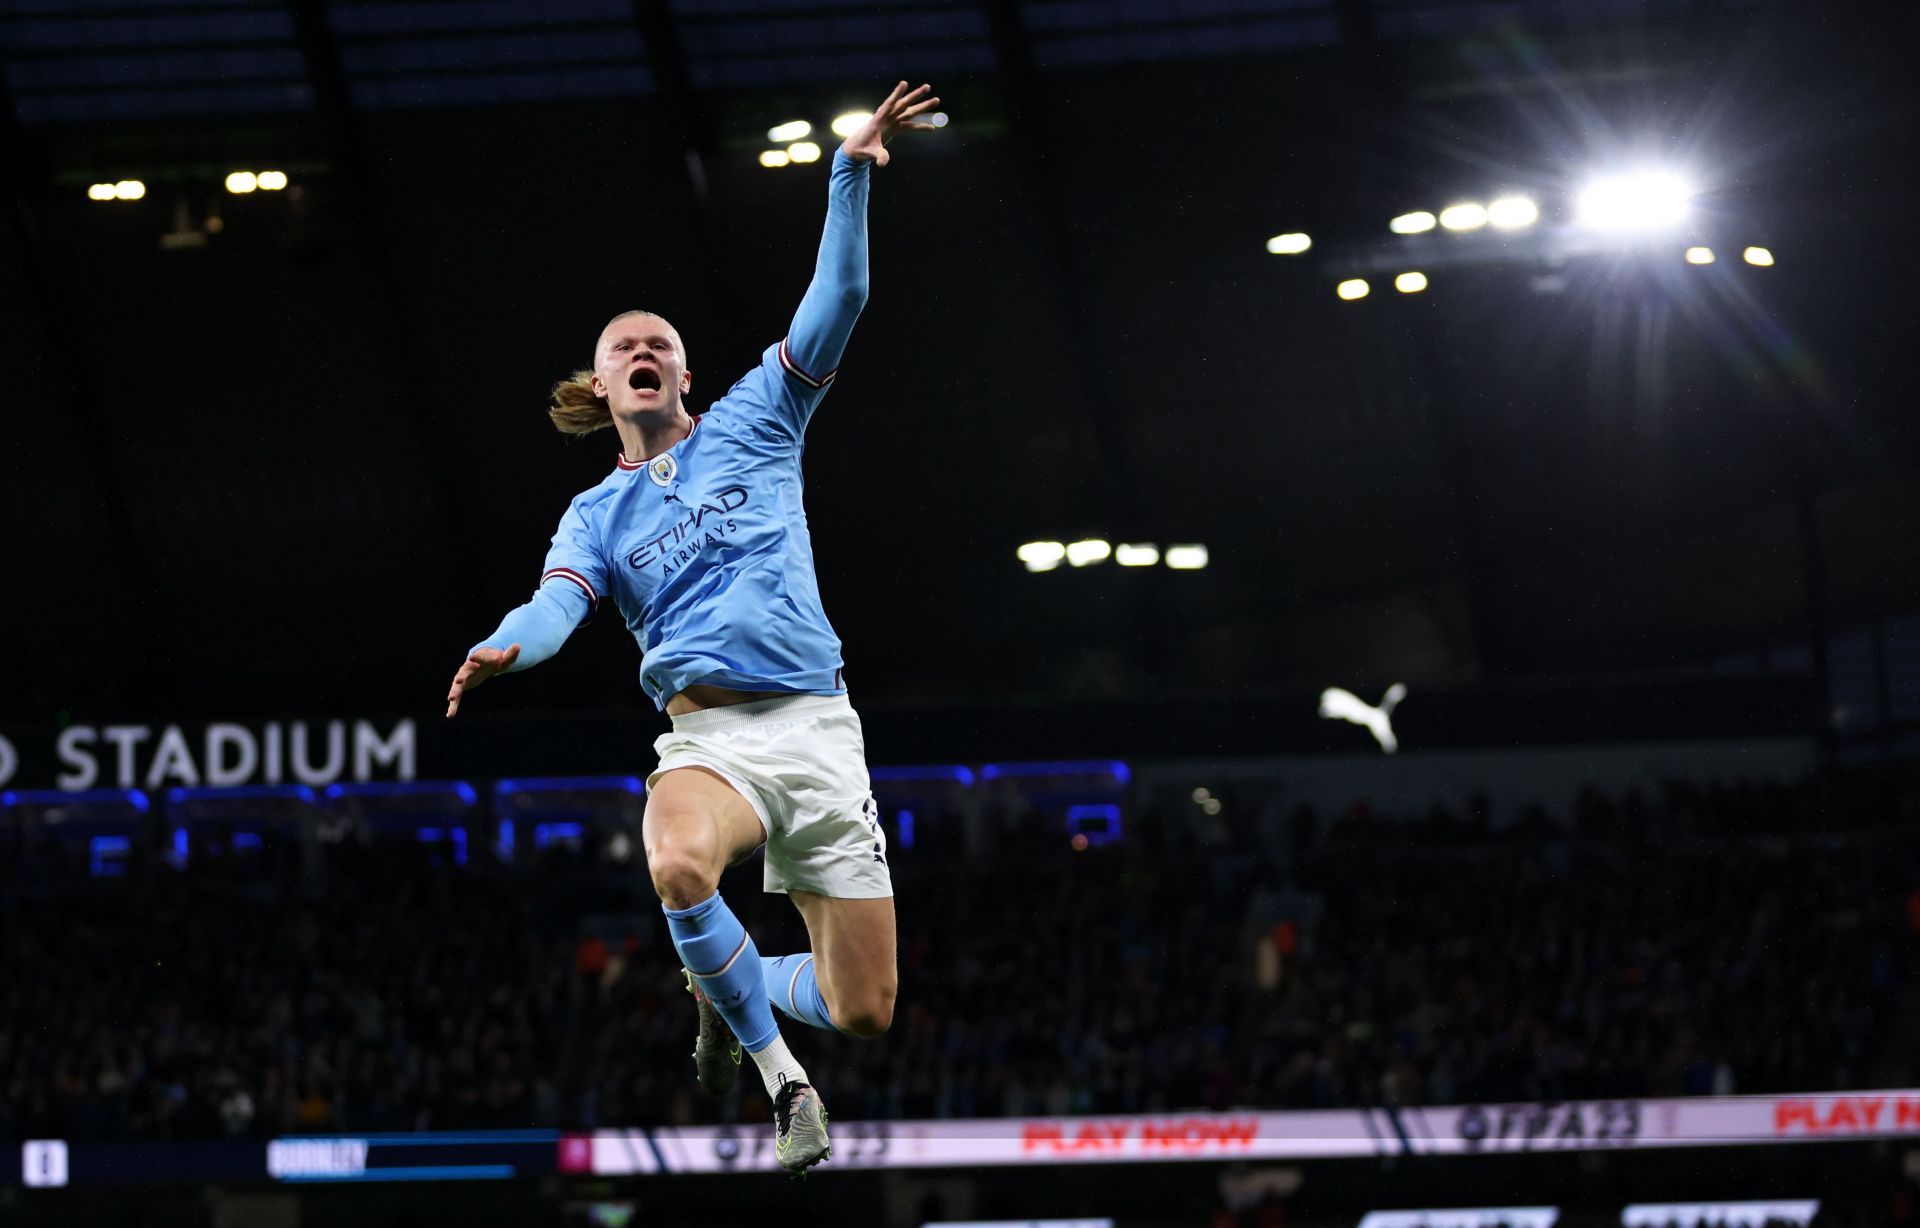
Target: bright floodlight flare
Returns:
[[129, 189], [1351, 289], [938, 119], [272, 181], [1410, 283], [1041, 556], [100, 191], [1290, 244], [1699, 255], [1513, 212], [1464, 216], [1418, 222], [771, 158], [1759, 257], [803, 151], [1186, 558], [787, 133], [1134, 555], [242, 182], [1092, 550], [1645, 200], [849, 122]]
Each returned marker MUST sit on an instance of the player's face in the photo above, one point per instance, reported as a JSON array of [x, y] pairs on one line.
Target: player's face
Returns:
[[640, 366]]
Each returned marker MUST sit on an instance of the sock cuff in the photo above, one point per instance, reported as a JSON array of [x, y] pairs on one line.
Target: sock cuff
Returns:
[[698, 912]]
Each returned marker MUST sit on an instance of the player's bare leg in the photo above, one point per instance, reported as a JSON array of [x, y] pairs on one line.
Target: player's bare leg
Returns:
[[854, 957]]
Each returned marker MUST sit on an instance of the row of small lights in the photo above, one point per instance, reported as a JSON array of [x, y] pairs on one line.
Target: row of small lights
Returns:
[[1355, 288], [796, 148], [1045, 556], [239, 183]]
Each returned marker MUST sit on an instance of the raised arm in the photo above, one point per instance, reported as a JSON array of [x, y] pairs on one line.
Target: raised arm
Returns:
[[838, 291]]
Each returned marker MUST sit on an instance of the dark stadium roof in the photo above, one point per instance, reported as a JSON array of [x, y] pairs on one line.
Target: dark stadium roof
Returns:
[[287, 451]]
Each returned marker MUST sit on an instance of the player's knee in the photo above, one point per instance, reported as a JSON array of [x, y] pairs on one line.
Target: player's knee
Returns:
[[868, 1016], [681, 877]]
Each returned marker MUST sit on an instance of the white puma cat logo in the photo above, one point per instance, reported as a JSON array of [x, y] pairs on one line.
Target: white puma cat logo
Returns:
[[1336, 704]]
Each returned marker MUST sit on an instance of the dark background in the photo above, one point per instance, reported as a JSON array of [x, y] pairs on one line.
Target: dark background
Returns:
[[303, 467]]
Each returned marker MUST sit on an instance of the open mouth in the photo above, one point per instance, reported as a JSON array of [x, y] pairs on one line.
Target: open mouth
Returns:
[[644, 379]]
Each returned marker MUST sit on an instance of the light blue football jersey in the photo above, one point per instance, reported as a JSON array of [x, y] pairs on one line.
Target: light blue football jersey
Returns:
[[705, 550]]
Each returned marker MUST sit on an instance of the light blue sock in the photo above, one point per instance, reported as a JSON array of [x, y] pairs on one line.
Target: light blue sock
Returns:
[[795, 990], [715, 947]]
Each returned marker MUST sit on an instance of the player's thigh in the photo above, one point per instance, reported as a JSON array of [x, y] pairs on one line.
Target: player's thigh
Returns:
[[696, 825], [853, 955]]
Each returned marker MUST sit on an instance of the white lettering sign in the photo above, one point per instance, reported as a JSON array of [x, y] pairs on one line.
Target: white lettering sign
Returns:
[[156, 757], [316, 1157]]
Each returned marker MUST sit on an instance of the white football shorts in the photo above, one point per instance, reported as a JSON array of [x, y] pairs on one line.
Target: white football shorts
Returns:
[[801, 763]]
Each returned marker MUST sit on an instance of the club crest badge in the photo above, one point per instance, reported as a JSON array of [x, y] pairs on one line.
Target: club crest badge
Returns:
[[662, 469]]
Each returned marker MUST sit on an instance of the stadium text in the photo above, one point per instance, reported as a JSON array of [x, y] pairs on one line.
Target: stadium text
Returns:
[[1527, 1127], [1863, 1114], [143, 756]]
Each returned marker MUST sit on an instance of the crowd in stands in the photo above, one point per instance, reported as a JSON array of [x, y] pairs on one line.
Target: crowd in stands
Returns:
[[1697, 941]]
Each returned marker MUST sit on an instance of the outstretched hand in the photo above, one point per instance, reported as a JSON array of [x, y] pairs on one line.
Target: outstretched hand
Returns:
[[483, 664], [899, 112]]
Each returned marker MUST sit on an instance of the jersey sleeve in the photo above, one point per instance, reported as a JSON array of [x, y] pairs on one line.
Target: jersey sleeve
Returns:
[[570, 588], [794, 375]]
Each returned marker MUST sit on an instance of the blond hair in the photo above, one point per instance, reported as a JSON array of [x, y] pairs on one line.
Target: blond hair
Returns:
[[575, 409]]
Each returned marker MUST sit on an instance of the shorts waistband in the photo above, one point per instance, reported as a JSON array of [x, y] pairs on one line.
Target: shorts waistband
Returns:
[[780, 707]]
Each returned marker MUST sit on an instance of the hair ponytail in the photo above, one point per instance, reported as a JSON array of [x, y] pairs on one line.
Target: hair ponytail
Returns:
[[575, 409]]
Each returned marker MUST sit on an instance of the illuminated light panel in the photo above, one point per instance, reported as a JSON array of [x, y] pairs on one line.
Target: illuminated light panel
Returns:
[[1699, 255], [1645, 200], [129, 189], [1289, 244], [272, 181], [1351, 289], [771, 158], [100, 191], [1410, 283], [1092, 550], [1041, 556], [1513, 212], [1133, 555], [242, 182], [848, 122], [1186, 558], [1416, 223], [792, 130], [1759, 257], [803, 151], [1464, 216]]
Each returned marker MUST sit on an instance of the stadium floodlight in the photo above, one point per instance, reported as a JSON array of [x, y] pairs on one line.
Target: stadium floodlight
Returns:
[[1351, 289], [1513, 212], [1410, 283], [1418, 222], [848, 122], [1041, 556], [1464, 216], [1134, 555], [1759, 257], [787, 133], [1186, 558], [242, 182], [1291, 244], [803, 151], [1092, 550], [272, 181], [1643, 200], [1699, 255], [771, 158], [129, 189], [100, 191]]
